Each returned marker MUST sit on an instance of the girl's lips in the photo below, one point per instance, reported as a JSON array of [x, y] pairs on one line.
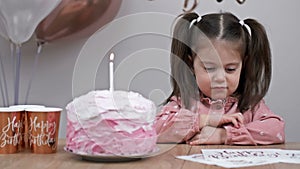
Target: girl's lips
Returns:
[[219, 87]]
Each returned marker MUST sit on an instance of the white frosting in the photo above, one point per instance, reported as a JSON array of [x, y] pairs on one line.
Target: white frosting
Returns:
[[120, 105]]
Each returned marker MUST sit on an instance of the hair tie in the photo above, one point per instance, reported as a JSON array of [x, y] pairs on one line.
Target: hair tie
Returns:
[[198, 19], [246, 26]]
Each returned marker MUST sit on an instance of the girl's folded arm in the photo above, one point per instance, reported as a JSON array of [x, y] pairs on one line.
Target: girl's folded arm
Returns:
[[175, 124], [265, 128]]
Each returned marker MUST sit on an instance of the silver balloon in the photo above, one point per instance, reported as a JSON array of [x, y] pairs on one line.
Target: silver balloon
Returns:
[[19, 19]]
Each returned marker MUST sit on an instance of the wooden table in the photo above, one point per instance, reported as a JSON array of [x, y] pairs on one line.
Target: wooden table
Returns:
[[165, 159]]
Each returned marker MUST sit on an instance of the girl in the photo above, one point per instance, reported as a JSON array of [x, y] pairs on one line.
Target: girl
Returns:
[[220, 72]]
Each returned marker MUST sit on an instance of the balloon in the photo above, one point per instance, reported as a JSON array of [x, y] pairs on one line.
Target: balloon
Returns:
[[77, 18], [21, 17]]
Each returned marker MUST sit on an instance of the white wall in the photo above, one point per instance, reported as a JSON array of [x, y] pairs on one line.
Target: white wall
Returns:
[[66, 69]]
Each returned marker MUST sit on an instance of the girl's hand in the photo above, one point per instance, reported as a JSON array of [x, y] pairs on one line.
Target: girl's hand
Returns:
[[236, 119], [209, 135], [216, 119]]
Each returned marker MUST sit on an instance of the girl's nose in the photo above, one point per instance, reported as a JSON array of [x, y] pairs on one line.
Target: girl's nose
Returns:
[[219, 76]]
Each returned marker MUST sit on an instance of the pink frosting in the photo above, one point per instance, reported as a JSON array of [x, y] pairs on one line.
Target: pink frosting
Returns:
[[100, 123]]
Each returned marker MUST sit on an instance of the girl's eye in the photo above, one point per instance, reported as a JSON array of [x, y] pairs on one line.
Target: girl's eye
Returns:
[[210, 69], [230, 70]]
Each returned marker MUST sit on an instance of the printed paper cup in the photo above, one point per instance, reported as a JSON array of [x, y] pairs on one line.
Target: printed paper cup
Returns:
[[10, 129], [43, 127]]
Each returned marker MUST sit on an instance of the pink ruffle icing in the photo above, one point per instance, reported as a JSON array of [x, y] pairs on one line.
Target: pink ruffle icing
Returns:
[[100, 123]]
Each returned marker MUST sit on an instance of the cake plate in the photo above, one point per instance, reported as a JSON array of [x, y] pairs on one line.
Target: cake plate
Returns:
[[112, 158]]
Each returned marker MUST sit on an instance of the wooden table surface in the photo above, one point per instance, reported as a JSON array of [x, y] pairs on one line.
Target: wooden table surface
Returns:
[[164, 159]]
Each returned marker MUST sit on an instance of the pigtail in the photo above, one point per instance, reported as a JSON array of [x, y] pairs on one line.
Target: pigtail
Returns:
[[182, 77], [257, 66]]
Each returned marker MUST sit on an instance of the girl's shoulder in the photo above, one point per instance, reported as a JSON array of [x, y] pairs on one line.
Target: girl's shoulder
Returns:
[[175, 99], [174, 103]]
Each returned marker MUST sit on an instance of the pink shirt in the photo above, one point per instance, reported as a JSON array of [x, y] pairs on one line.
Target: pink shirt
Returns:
[[261, 127]]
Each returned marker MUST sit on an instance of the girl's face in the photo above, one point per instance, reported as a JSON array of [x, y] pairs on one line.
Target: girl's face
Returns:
[[217, 68]]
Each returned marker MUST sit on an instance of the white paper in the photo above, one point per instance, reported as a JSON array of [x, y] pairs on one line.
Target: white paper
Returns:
[[234, 158]]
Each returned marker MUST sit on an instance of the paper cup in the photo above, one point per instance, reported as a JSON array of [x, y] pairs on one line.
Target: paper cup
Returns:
[[10, 129], [24, 144], [43, 127]]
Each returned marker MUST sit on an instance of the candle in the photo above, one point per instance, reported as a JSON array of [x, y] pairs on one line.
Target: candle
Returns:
[[111, 72]]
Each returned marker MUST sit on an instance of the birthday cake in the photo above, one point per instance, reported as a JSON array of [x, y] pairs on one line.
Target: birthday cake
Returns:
[[111, 123]]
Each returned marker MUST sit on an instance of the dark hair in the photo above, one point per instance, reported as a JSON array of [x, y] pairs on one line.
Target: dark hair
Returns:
[[254, 48]]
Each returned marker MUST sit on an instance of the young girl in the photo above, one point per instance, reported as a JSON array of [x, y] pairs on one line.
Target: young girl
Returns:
[[221, 70]]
